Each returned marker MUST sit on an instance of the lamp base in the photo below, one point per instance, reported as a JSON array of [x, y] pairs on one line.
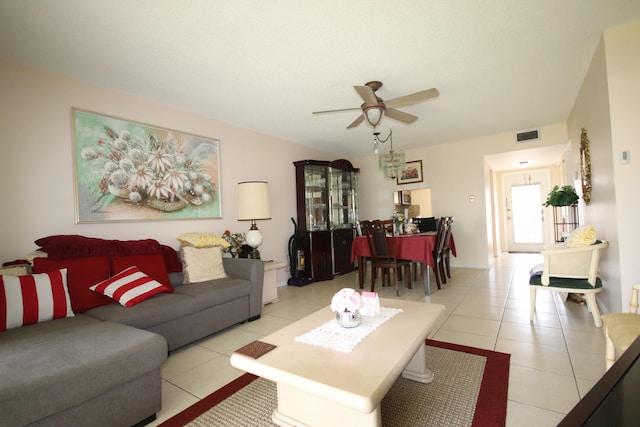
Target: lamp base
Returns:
[[254, 254], [253, 238]]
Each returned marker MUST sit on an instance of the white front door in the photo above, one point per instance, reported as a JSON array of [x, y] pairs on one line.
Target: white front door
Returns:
[[524, 194]]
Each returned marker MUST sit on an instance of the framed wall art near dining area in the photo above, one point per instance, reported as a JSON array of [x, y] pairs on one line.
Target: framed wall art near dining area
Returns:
[[411, 173], [128, 171]]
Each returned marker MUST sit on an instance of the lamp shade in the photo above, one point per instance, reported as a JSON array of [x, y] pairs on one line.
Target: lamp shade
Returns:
[[392, 163], [253, 200]]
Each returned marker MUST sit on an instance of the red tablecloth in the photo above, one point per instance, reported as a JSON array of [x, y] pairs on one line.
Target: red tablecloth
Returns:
[[416, 247]]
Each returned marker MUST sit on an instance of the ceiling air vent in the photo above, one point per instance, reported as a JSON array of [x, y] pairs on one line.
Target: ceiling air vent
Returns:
[[528, 135]]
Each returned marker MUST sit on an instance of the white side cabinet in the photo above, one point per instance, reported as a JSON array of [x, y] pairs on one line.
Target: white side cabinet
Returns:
[[270, 283]]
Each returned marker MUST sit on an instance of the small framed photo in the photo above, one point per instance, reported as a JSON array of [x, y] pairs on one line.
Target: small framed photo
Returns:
[[411, 173]]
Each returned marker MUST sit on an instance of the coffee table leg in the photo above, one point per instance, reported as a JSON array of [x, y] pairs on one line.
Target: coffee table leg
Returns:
[[417, 369], [298, 408]]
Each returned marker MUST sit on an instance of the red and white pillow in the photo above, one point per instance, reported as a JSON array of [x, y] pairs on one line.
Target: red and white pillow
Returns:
[[34, 298], [129, 287]]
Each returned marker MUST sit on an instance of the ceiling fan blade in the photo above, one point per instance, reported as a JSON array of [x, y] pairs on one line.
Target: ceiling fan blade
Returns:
[[367, 94], [400, 116], [336, 111], [413, 98], [356, 122]]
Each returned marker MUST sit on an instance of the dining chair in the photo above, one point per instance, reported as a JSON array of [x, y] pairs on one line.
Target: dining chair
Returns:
[[438, 252], [621, 329], [446, 254], [361, 228], [387, 225], [383, 258]]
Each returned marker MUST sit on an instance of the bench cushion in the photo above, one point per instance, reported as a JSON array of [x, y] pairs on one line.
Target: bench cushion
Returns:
[[560, 282]]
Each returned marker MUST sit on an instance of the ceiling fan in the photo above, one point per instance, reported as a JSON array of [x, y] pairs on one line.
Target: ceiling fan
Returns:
[[374, 108]]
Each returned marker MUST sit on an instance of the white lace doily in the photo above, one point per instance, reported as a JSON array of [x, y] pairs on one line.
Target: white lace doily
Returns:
[[333, 336]]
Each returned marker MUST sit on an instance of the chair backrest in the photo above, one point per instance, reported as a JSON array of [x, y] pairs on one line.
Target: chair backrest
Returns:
[[387, 224], [442, 234], [573, 263], [377, 239], [447, 237], [363, 226]]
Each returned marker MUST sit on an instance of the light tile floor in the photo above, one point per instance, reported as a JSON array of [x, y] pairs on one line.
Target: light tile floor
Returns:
[[554, 361]]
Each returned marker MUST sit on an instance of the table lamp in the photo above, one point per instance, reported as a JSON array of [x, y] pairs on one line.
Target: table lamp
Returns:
[[253, 204]]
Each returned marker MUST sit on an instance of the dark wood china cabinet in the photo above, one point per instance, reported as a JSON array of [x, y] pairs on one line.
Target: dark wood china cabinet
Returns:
[[327, 209]]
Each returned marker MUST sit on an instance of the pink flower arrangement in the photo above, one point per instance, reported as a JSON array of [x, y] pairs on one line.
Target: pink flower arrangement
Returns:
[[346, 299]]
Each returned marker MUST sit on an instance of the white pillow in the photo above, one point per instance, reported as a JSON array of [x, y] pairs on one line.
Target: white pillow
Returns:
[[581, 236], [202, 264], [34, 298]]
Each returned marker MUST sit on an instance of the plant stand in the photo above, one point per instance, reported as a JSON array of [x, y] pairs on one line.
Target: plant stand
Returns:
[[565, 220]]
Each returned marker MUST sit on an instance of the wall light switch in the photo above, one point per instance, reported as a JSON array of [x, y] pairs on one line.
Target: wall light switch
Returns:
[[625, 157], [472, 198]]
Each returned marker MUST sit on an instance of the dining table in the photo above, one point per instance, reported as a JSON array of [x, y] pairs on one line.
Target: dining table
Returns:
[[414, 247]]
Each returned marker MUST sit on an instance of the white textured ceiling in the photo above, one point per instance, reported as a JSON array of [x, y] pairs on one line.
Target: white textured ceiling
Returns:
[[500, 65]]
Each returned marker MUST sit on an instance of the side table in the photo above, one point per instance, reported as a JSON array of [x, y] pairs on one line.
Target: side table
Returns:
[[270, 283]]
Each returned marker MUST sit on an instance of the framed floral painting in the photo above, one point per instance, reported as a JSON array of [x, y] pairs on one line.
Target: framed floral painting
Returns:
[[128, 171], [412, 172]]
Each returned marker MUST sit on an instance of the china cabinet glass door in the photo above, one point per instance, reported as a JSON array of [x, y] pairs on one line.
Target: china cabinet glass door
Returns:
[[342, 198], [316, 197]]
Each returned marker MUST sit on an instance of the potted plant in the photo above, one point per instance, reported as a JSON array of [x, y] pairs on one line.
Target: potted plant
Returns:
[[236, 242], [562, 196]]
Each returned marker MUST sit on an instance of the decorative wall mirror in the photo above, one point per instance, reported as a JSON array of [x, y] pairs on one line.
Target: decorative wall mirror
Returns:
[[585, 167]]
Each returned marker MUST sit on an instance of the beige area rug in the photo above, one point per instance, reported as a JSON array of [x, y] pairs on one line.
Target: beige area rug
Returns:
[[469, 389]]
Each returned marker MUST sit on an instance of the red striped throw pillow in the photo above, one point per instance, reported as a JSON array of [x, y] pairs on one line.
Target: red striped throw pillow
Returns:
[[34, 298], [129, 287]]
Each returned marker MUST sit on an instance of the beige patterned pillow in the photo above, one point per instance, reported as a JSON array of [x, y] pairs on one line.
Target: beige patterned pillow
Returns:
[[202, 240], [581, 236], [202, 264]]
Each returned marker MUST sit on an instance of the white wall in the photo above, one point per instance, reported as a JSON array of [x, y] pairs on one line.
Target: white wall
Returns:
[[591, 111], [453, 171], [607, 107], [623, 71], [36, 169]]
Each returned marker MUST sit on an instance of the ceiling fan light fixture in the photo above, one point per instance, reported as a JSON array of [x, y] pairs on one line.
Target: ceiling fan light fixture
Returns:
[[373, 114]]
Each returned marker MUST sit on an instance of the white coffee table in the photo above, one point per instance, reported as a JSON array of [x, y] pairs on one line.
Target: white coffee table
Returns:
[[323, 387]]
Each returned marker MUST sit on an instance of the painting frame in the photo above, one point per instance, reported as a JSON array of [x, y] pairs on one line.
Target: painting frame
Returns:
[[411, 173], [127, 171]]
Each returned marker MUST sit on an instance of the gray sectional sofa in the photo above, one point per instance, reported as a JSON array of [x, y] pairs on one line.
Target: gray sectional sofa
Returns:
[[102, 367]]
